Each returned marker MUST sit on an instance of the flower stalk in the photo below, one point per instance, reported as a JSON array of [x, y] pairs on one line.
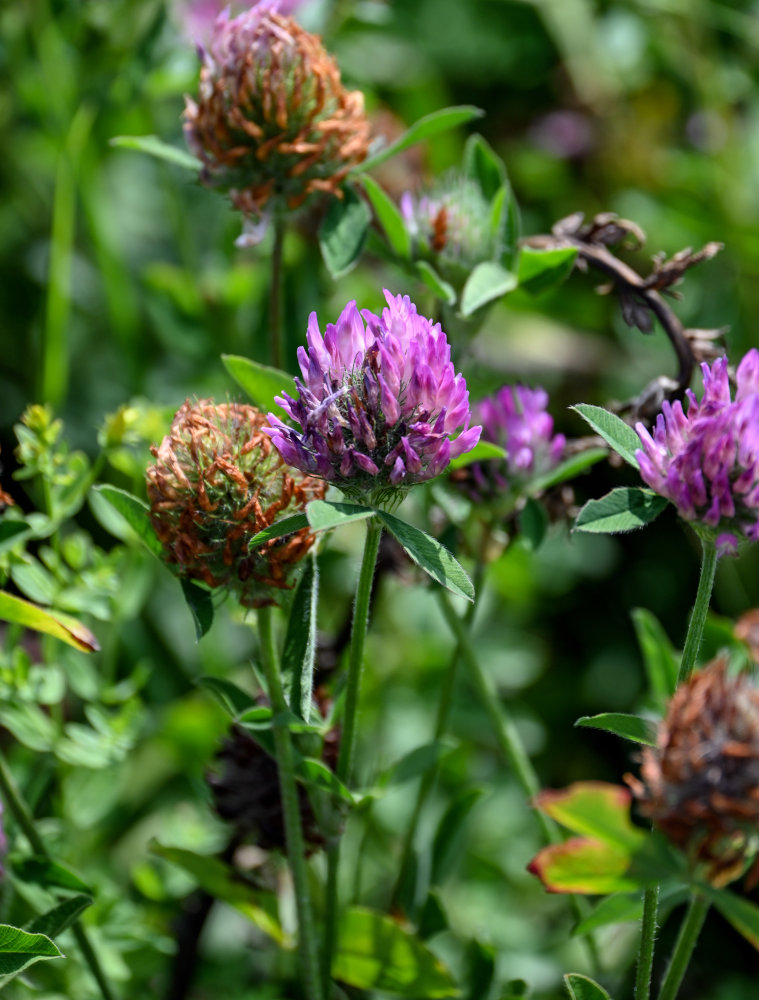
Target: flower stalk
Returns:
[[700, 610], [686, 942]]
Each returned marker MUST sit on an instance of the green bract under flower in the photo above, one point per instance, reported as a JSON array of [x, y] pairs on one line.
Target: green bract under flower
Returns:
[[216, 482]]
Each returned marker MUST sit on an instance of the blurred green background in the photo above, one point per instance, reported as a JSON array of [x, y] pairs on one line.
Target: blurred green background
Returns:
[[120, 282]]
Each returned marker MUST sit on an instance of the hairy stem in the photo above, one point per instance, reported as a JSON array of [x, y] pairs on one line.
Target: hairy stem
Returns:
[[307, 946], [700, 610], [647, 939], [12, 799], [686, 942]]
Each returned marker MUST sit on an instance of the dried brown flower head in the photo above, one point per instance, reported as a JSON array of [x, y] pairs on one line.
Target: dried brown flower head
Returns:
[[700, 784], [217, 481], [272, 119]]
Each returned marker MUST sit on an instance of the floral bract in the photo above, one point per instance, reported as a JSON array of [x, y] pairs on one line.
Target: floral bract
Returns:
[[707, 461], [216, 482], [379, 403], [273, 121], [515, 418]]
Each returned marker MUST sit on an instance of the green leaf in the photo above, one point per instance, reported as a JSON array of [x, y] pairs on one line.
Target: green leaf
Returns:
[[389, 217], [323, 515], [232, 699], [427, 552], [446, 846], [629, 727], [585, 866], [135, 513], [376, 953], [222, 883], [20, 949], [261, 383], [315, 773], [568, 469], [64, 627], [582, 988], [533, 523], [299, 648], [10, 532], [56, 920], [154, 146], [505, 226], [50, 874], [741, 913], [432, 124], [484, 165], [442, 289], [433, 918], [285, 526], [658, 655], [483, 451], [30, 725], [487, 282], [200, 604], [619, 435], [540, 270], [479, 963], [593, 809], [343, 232], [628, 908], [626, 508], [416, 763]]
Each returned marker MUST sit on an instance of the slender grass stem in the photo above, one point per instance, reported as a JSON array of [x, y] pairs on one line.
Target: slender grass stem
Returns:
[[275, 294], [13, 800], [348, 736], [700, 610], [647, 938], [686, 942], [296, 853]]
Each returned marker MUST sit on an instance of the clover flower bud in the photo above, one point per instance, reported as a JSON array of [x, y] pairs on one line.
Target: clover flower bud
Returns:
[[515, 418], [379, 403], [707, 461], [273, 123], [700, 784], [450, 225], [216, 482]]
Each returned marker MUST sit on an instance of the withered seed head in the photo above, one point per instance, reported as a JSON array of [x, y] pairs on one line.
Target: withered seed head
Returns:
[[273, 123], [217, 481], [700, 785]]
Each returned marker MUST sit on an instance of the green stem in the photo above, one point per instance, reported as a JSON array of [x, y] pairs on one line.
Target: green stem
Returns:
[[275, 293], [700, 610], [307, 947], [646, 949], [348, 735], [686, 942], [12, 799]]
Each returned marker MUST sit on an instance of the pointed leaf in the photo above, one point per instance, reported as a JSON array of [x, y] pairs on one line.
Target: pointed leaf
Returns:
[[427, 552], [442, 289], [135, 513], [260, 382], [342, 233], [484, 165], [389, 217], [20, 949], [48, 873], [479, 962], [376, 953], [741, 913], [658, 655], [324, 515], [483, 451], [432, 124], [585, 866], [232, 699], [568, 469], [154, 146], [594, 809], [629, 727], [628, 908], [56, 920], [315, 773], [540, 270], [487, 282], [626, 508], [614, 431], [64, 627], [299, 650], [533, 523], [433, 918], [416, 763], [446, 847], [581, 988], [200, 604], [285, 526]]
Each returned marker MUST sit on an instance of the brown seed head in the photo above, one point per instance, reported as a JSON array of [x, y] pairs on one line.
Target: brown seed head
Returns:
[[700, 785], [272, 119], [217, 481]]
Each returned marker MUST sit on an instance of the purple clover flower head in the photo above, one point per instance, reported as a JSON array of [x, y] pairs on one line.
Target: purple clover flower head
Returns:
[[199, 17], [707, 461], [515, 418], [379, 403]]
